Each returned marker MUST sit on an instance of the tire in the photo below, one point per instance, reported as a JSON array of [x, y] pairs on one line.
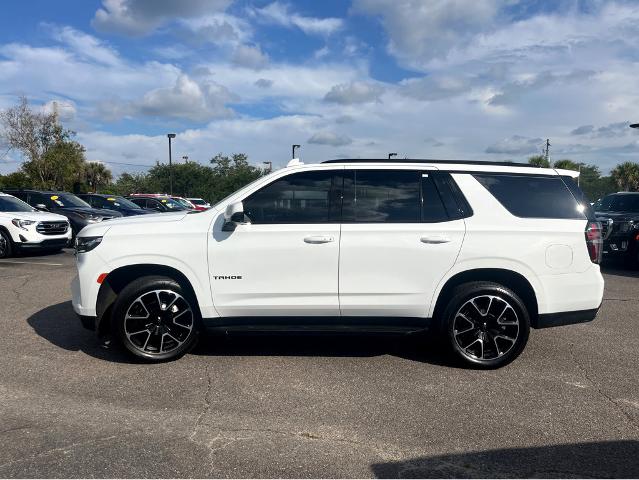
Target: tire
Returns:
[[6, 244], [486, 324], [156, 319]]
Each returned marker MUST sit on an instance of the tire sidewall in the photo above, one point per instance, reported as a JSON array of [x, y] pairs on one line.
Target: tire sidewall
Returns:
[[462, 295], [138, 288], [9, 248]]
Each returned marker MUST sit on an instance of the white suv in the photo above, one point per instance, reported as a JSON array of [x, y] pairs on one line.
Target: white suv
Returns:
[[478, 252], [22, 228]]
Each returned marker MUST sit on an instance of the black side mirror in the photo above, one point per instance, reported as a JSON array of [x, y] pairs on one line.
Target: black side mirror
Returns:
[[41, 206]]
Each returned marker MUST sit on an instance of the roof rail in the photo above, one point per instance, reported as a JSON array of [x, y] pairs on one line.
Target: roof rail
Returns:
[[424, 160]]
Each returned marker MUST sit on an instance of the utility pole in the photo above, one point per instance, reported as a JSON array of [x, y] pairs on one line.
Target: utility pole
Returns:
[[293, 152], [170, 135], [547, 154], [392, 155], [270, 166], [185, 158]]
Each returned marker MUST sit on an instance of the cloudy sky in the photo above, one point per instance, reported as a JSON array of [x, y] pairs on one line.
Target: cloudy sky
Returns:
[[474, 79]]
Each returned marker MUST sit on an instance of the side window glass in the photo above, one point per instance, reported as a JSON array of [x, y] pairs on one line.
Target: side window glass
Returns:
[[433, 209], [382, 196], [306, 197]]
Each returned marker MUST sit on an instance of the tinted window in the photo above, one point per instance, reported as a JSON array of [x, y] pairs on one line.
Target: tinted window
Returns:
[[64, 200], [621, 202], [11, 204], [432, 207], [308, 197], [139, 201], [382, 196], [532, 196], [580, 196]]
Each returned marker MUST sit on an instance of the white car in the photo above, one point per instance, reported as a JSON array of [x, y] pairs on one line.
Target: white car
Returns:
[[22, 227], [478, 252]]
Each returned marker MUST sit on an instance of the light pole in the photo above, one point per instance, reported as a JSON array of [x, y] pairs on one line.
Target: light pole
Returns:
[[185, 158], [270, 166], [170, 136], [391, 155], [294, 147]]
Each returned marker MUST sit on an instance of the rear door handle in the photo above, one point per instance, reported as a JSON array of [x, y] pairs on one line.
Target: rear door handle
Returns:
[[318, 239], [435, 239]]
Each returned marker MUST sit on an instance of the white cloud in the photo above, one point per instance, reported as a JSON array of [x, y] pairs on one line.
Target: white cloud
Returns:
[[263, 83], [250, 57], [65, 109], [278, 13], [516, 145], [354, 92], [140, 17], [330, 138]]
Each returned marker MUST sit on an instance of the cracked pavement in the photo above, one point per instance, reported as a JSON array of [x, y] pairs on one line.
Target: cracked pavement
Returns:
[[310, 406]]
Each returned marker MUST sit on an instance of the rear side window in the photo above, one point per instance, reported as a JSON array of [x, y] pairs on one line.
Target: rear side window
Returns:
[[531, 196], [433, 209], [581, 197], [382, 196], [306, 197]]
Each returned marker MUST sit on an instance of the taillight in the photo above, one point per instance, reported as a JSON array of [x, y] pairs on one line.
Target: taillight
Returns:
[[594, 241]]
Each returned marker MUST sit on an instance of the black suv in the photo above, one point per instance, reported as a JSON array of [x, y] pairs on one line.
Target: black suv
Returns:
[[79, 213], [113, 202], [619, 216]]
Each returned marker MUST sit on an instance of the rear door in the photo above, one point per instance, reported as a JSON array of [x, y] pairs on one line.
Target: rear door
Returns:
[[400, 235]]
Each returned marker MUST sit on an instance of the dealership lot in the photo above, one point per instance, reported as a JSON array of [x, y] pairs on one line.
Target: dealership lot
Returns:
[[322, 406]]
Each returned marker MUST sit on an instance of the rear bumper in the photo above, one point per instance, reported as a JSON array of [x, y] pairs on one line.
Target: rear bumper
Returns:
[[546, 320]]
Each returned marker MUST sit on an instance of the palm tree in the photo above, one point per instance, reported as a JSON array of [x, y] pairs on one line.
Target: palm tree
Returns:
[[626, 176], [97, 175]]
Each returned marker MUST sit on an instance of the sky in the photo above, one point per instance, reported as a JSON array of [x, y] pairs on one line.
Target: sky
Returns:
[[448, 79]]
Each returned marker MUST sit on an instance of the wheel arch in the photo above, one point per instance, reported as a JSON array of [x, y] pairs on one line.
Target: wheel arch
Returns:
[[119, 278], [508, 278]]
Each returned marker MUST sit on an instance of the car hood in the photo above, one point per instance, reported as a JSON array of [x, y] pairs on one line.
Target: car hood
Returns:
[[98, 212], [36, 216], [150, 218]]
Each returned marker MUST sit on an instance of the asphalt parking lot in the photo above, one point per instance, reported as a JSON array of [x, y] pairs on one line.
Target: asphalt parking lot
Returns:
[[318, 406]]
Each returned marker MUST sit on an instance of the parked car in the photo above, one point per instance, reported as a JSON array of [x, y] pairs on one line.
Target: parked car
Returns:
[[199, 203], [479, 252], [22, 228], [78, 212], [113, 202], [619, 216], [184, 202], [157, 202]]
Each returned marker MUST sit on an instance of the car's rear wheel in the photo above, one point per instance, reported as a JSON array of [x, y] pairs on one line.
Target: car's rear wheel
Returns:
[[6, 245], [487, 325], [156, 319]]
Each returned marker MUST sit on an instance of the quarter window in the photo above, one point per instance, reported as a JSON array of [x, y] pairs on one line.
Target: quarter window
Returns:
[[306, 197], [532, 196]]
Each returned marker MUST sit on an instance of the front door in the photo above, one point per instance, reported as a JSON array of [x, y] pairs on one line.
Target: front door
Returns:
[[398, 241], [284, 261]]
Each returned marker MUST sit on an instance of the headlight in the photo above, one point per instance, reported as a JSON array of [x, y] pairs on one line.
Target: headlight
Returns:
[[86, 244], [23, 224], [90, 218]]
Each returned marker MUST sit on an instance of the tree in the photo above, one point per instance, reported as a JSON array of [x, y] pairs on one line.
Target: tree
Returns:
[[539, 161], [97, 175], [567, 164], [52, 158], [17, 179], [232, 173], [626, 176]]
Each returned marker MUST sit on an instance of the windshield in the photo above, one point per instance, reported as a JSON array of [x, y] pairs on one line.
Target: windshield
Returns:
[[12, 204], [172, 204], [64, 200], [121, 202], [184, 203], [618, 203], [197, 201]]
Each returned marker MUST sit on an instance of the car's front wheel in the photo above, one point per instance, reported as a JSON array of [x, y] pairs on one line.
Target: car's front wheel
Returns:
[[487, 325], [5, 244], [156, 319]]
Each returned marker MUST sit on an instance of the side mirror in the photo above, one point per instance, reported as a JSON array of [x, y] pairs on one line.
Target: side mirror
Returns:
[[233, 216], [41, 206]]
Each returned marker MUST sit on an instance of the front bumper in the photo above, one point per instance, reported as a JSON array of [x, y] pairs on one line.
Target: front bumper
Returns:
[[49, 243]]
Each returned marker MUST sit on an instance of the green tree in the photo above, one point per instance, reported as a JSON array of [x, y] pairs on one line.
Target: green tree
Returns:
[[539, 161], [626, 176], [567, 164], [97, 175], [232, 173], [17, 179]]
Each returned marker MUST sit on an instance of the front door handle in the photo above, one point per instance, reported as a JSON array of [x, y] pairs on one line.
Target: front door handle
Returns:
[[435, 239], [318, 239]]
